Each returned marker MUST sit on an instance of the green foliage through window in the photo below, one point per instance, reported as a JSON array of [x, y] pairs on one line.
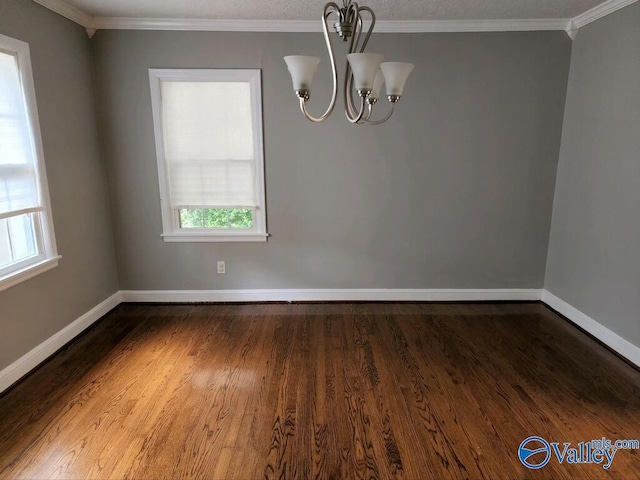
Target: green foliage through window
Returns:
[[216, 218]]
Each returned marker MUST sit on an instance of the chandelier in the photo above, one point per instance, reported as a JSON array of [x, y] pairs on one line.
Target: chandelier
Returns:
[[365, 72]]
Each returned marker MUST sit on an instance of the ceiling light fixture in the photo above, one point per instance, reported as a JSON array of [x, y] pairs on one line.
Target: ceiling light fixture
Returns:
[[364, 71]]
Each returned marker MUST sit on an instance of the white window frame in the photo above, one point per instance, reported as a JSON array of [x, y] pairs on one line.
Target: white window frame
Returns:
[[47, 257], [172, 232]]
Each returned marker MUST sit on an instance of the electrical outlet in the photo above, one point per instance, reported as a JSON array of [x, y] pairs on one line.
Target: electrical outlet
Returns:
[[221, 267]]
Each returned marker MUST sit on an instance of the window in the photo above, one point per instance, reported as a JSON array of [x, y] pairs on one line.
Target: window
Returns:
[[27, 243], [208, 128]]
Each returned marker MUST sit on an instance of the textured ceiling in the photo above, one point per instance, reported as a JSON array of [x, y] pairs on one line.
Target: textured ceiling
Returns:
[[310, 9]]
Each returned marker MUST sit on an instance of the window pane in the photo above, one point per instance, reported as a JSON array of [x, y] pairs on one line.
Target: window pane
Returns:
[[192, 218], [17, 239], [216, 218], [241, 218], [22, 237], [5, 246]]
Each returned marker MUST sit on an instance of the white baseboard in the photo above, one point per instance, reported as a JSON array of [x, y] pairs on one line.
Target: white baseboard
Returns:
[[331, 295], [39, 354], [602, 333], [32, 359]]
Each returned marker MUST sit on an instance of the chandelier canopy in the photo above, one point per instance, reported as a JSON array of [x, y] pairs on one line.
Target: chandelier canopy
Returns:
[[365, 72]]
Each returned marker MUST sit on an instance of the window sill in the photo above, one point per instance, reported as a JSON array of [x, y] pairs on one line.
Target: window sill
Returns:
[[218, 237], [26, 273]]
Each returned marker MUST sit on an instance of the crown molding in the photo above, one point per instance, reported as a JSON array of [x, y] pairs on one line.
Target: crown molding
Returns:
[[68, 11], [569, 25], [428, 26], [600, 11], [415, 26], [204, 25]]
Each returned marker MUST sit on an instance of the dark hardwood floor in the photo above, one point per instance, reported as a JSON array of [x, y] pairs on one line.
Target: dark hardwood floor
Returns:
[[416, 391]]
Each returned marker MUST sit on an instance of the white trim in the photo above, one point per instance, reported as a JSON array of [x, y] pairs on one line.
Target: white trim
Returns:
[[170, 224], [48, 236], [571, 29], [14, 278], [331, 295], [570, 25], [602, 333], [39, 354], [398, 26], [214, 237], [206, 25], [434, 26], [47, 257], [24, 211], [68, 11], [599, 11]]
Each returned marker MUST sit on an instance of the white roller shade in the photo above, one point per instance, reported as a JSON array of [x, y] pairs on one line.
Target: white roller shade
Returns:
[[209, 144], [18, 177]]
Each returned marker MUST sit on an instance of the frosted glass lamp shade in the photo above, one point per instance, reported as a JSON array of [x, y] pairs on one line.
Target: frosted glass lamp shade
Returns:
[[395, 76], [364, 66], [302, 69], [378, 81]]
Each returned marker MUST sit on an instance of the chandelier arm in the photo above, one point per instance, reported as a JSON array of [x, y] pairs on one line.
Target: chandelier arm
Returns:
[[351, 14], [357, 33], [367, 116], [378, 122], [366, 113], [358, 118], [348, 97], [350, 109], [329, 8], [303, 109], [370, 31]]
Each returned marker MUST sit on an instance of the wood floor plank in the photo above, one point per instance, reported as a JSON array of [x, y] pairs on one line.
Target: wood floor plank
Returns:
[[319, 391]]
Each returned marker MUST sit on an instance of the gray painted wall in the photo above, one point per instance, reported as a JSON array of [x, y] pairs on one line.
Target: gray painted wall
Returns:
[[454, 192], [594, 251], [61, 57]]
